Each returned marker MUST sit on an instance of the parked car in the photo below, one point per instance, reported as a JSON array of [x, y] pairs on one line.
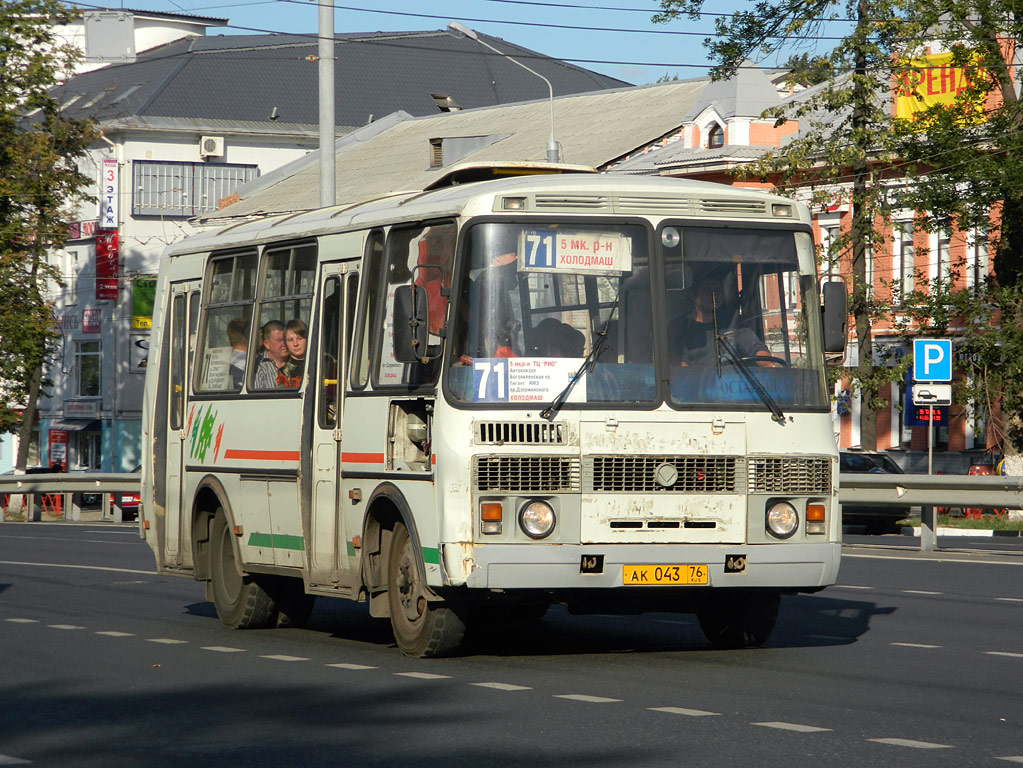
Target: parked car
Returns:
[[878, 519]]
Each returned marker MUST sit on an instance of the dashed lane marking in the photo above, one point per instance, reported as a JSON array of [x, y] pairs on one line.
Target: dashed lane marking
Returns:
[[851, 586], [684, 711], [81, 567], [344, 665], [8, 760], [912, 744], [1010, 599], [64, 626], [503, 686], [283, 657], [112, 633], [915, 645], [166, 641], [423, 675], [920, 592], [798, 727], [221, 649], [585, 697], [23, 621], [1004, 653], [1011, 758]]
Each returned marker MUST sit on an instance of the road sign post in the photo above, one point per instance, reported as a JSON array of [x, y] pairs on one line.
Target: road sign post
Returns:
[[932, 366]]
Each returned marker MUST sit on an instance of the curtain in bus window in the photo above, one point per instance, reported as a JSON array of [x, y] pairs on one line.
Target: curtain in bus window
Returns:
[[284, 310], [226, 322]]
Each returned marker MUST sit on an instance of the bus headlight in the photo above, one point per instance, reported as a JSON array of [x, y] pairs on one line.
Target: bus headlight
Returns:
[[537, 519], [782, 519]]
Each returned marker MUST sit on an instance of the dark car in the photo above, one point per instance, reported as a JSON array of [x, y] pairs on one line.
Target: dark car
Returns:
[[878, 519]]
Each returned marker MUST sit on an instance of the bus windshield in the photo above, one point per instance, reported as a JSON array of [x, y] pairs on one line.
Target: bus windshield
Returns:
[[539, 304]]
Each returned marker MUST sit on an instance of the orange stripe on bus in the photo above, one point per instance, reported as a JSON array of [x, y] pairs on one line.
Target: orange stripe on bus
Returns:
[[363, 458], [252, 455]]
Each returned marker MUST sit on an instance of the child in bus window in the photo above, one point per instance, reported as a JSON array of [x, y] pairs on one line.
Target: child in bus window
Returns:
[[290, 374]]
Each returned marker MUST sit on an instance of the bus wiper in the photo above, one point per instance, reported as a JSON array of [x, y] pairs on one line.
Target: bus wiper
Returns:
[[723, 343], [588, 362]]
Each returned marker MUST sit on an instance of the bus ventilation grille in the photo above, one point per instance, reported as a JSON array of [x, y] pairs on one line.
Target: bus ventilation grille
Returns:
[[734, 207], [776, 474], [519, 433], [651, 474], [519, 474]]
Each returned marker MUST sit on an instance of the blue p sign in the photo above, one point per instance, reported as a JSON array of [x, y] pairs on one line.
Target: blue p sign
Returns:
[[932, 359]]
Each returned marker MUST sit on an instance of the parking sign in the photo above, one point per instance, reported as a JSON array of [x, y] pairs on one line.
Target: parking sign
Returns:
[[932, 359]]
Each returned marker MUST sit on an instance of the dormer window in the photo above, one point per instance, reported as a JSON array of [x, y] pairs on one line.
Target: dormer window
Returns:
[[715, 137]]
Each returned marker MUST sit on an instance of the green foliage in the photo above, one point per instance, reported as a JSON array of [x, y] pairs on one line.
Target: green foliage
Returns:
[[806, 70], [39, 186]]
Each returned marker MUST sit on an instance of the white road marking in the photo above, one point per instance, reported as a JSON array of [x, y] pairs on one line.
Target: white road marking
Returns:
[[920, 592], [8, 760], [166, 641], [423, 675], [503, 686], [81, 567], [915, 645], [1005, 653], [911, 743], [112, 633], [1009, 758], [684, 711], [23, 621], [282, 657], [850, 586], [1010, 599], [221, 649], [63, 626], [944, 560], [343, 665], [584, 697], [793, 727]]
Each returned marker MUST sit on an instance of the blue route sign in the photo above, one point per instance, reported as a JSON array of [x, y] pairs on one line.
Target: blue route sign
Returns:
[[932, 359]]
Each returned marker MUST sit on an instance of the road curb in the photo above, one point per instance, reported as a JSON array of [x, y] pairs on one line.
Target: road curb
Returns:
[[970, 532]]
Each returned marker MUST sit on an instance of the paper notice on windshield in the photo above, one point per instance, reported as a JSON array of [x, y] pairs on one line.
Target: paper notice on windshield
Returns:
[[526, 379], [599, 253]]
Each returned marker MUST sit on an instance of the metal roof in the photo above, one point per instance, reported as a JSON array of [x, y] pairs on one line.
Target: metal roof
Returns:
[[594, 129], [245, 77]]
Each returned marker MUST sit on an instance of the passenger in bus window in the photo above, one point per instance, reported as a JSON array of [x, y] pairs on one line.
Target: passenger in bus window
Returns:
[[275, 354], [290, 374], [238, 337], [554, 338], [694, 333]]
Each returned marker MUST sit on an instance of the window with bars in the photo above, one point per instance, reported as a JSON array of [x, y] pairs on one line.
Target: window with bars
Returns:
[[184, 189]]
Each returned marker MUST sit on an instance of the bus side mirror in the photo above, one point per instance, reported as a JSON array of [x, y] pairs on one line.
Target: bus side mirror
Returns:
[[835, 316], [411, 324]]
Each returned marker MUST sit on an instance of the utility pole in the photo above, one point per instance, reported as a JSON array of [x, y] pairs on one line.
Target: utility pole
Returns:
[[325, 70]]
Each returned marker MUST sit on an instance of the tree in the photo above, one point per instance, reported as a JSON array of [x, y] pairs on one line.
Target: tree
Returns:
[[806, 70], [39, 186]]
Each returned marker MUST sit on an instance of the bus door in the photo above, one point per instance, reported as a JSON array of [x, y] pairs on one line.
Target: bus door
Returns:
[[184, 309], [327, 545]]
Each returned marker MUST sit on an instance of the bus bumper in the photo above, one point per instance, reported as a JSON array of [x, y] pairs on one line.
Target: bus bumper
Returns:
[[502, 566]]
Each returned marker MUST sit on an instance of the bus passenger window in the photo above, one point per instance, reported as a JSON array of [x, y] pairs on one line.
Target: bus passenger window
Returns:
[[361, 355], [228, 315], [284, 309], [330, 335]]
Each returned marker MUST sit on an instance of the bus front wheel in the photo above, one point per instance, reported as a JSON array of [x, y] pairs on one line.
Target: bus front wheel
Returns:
[[241, 602], [422, 628], [738, 619]]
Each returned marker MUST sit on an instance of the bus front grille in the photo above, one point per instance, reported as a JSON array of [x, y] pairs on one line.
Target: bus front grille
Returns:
[[519, 433], [660, 474], [777, 474], [525, 474]]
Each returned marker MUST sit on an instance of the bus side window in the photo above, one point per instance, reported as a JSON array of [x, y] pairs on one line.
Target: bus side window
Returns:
[[330, 365], [368, 310], [179, 335], [284, 310], [226, 323]]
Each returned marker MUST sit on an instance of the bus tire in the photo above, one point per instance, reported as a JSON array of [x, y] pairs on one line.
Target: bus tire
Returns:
[[241, 602], [422, 628], [738, 619]]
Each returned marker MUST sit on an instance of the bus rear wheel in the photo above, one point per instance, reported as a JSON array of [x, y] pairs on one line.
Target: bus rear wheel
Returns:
[[738, 619], [241, 602], [422, 628]]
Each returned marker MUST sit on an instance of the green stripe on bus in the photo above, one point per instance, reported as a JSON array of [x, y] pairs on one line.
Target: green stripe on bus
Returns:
[[351, 548], [431, 555], [277, 541]]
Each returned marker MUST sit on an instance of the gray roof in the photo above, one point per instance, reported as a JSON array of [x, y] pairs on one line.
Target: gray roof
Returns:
[[245, 77], [676, 156], [746, 94], [594, 129]]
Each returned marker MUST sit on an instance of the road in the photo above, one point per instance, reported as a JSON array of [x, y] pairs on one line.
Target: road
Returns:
[[914, 659]]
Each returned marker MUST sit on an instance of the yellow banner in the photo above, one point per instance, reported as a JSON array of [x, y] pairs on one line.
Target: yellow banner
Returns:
[[931, 80]]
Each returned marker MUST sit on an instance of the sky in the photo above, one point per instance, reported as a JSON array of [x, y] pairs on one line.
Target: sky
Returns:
[[613, 37]]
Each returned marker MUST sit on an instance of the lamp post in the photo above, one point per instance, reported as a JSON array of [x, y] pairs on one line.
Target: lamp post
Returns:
[[553, 150]]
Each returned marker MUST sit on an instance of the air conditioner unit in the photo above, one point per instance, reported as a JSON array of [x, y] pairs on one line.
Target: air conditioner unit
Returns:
[[211, 146]]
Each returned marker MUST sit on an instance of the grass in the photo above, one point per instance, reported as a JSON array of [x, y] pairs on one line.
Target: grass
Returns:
[[985, 523]]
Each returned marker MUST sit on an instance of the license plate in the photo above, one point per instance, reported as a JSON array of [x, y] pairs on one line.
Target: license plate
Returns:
[[645, 575]]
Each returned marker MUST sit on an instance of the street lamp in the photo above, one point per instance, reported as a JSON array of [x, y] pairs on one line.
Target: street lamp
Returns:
[[553, 151]]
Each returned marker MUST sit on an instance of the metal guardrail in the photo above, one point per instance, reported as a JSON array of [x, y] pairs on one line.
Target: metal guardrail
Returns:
[[111, 485]]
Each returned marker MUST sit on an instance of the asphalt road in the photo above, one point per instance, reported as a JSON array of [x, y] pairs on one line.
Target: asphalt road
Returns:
[[912, 660]]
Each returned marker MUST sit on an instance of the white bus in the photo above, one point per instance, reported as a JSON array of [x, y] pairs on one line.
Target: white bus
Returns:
[[470, 403]]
